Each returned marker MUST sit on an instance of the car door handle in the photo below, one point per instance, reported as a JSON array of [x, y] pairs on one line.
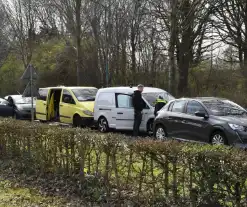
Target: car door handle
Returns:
[[61, 104], [183, 122], [120, 113], [44, 104]]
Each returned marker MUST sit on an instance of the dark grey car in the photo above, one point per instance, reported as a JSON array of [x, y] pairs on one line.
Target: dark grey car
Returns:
[[21, 105], [209, 119]]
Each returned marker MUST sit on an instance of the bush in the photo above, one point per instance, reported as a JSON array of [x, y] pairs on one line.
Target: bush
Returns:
[[112, 167]]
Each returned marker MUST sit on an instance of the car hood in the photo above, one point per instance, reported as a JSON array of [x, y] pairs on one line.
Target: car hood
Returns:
[[87, 105], [24, 106], [234, 120]]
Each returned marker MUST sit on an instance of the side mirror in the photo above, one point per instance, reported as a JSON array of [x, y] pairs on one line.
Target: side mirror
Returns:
[[201, 114], [67, 100]]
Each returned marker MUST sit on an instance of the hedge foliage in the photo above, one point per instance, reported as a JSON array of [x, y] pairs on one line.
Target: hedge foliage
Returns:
[[139, 172]]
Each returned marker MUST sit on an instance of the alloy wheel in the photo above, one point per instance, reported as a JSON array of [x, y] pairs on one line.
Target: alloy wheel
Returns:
[[160, 134], [218, 139], [103, 125]]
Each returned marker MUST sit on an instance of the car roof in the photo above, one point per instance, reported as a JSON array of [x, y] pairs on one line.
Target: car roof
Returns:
[[69, 87], [13, 96], [125, 89], [202, 99]]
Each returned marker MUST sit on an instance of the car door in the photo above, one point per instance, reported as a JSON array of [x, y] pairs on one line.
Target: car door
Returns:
[[41, 109], [195, 128], [124, 112], [66, 107], [6, 110], [147, 114], [174, 119]]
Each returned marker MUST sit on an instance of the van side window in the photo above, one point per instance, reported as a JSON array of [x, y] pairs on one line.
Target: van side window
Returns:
[[106, 99], [42, 94], [67, 97], [124, 101]]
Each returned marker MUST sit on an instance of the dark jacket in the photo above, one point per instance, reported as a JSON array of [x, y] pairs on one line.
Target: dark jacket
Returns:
[[159, 105], [138, 103]]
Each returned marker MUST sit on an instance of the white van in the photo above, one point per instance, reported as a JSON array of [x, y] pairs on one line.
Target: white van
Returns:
[[113, 108]]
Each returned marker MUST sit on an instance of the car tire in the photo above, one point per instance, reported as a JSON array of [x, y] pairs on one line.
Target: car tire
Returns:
[[76, 121], [103, 125], [160, 133], [218, 138], [150, 127], [15, 116]]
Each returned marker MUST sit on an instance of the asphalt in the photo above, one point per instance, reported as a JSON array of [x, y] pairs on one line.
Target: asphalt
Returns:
[[126, 133]]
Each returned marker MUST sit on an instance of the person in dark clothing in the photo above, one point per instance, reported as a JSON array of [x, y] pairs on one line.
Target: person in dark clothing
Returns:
[[138, 105], [159, 104]]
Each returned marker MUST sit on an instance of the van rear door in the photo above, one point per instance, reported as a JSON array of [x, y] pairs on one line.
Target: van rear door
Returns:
[[41, 104]]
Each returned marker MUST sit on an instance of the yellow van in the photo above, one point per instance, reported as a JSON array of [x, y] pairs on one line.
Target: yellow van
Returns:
[[70, 105]]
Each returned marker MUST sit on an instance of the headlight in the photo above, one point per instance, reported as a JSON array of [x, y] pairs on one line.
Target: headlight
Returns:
[[237, 127], [87, 112]]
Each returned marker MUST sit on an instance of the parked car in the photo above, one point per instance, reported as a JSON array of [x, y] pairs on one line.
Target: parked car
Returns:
[[21, 106], [113, 108], [206, 119], [69, 105], [6, 110]]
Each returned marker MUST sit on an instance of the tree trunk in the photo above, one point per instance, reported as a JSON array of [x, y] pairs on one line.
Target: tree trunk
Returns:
[[171, 50], [185, 48], [78, 41], [133, 55], [245, 47]]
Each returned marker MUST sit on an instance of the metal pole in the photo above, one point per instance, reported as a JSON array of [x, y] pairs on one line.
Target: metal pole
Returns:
[[31, 89]]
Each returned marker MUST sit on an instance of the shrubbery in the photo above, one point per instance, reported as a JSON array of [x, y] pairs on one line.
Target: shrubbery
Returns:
[[138, 172]]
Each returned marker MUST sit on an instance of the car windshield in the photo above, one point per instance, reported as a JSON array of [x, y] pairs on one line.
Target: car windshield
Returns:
[[151, 97], [85, 94], [22, 100], [224, 108]]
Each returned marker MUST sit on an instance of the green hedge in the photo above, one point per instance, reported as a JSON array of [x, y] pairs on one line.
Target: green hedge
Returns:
[[142, 172]]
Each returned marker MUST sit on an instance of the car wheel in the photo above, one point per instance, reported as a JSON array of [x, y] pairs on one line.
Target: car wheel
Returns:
[[218, 138], [76, 121], [150, 127], [103, 124], [15, 116], [160, 133]]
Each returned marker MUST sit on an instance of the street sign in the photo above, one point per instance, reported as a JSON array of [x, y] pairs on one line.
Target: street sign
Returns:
[[30, 71], [30, 75], [27, 91]]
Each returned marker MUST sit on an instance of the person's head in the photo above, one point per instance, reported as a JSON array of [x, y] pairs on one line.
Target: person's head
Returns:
[[161, 97], [140, 87]]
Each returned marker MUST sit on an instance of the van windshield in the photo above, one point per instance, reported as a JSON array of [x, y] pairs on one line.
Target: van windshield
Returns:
[[85, 94], [151, 97]]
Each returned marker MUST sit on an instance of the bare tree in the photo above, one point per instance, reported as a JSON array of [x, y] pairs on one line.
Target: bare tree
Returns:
[[4, 34], [22, 19], [231, 23]]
